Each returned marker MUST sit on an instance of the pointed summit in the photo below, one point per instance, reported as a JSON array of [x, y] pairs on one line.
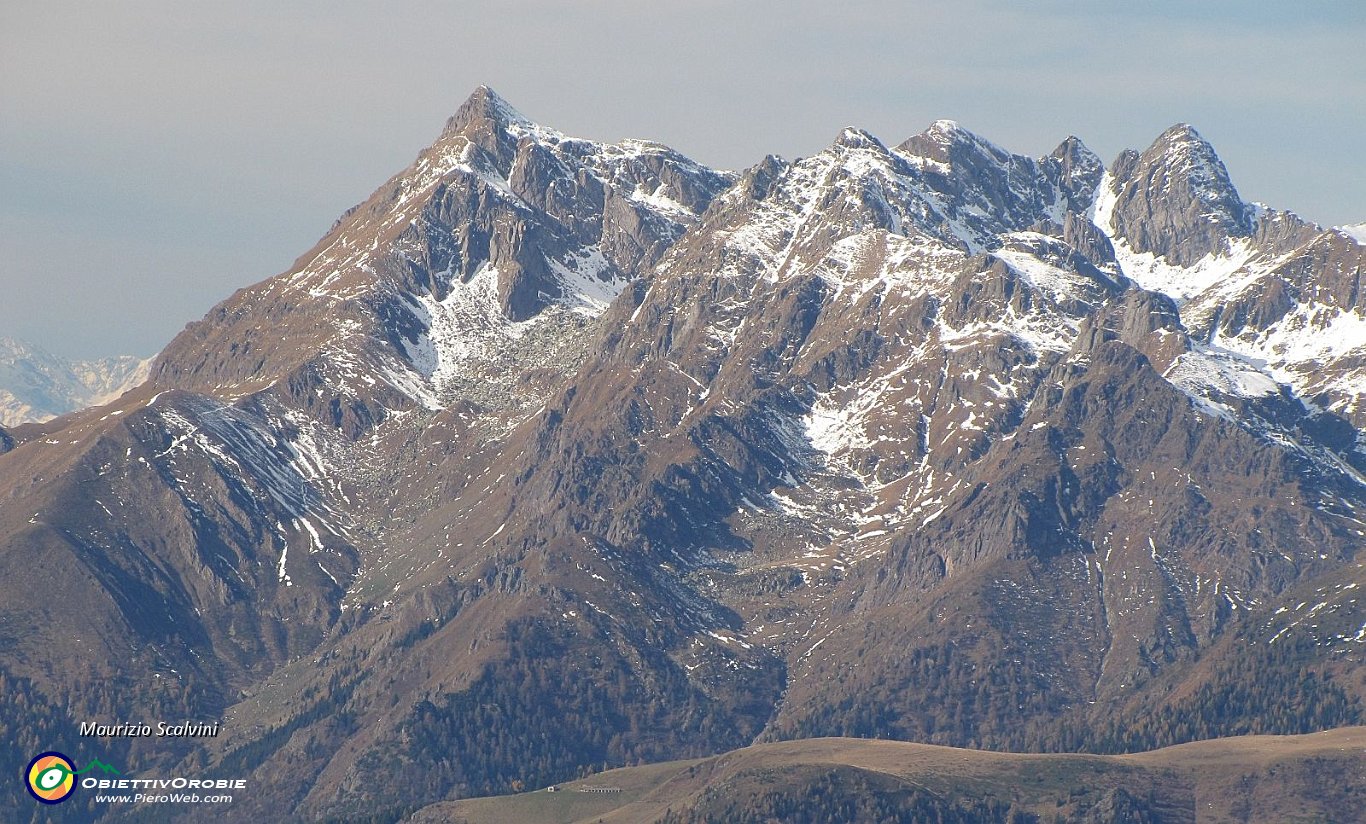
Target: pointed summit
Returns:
[[989, 188], [944, 127], [940, 133], [1076, 171], [1176, 200], [1184, 152], [491, 123], [486, 107], [1076, 157], [1185, 134]]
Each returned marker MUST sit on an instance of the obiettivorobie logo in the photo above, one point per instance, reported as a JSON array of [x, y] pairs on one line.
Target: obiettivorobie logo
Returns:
[[51, 776]]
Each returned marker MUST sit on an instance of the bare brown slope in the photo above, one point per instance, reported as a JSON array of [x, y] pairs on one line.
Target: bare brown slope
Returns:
[[116, 536], [1247, 779]]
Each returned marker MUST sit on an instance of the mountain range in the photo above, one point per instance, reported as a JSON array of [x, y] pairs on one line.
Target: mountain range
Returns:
[[556, 455], [37, 386]]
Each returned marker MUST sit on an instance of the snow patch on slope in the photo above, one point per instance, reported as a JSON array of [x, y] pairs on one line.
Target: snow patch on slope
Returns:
[[1041, 333], [1207, 372], [581, 275], [467, 339], [466, 326], [876, 260], [1308, 333], [833, 429], [1298, 348], [1155, 274]]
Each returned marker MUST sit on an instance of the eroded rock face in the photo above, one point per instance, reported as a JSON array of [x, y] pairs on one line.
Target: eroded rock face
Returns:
[[1175, 199], [500, 222], [1076, 171], [551, 445]]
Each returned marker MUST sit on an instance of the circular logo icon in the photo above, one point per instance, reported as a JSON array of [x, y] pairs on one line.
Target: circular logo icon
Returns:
[[51, 778]]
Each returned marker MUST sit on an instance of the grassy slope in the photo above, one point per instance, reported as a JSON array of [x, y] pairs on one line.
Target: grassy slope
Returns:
[[1318, 777]]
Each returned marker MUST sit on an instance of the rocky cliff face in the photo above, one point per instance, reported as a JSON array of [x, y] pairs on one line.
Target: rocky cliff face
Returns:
[[1175, 200], [555, 453], [1257, 288], [499, 226]]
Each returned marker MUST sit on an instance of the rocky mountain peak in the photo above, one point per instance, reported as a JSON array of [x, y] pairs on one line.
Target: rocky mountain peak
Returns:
[[976, 189], [948, 131], [1182, 153], [1077, 158], [947, 142], [853, 138], [500, 229], [488, 121], [1182, 133], [483, 107], [1175, 200], [1077, 171]]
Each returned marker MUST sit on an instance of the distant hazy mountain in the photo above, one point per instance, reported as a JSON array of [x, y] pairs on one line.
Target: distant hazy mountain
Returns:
[[37, 386], [556, 454]]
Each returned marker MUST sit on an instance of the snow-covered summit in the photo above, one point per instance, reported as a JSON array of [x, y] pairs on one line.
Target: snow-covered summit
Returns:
[[942, 137]]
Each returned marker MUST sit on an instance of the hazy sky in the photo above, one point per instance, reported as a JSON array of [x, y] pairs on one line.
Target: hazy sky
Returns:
[[157, 155]]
